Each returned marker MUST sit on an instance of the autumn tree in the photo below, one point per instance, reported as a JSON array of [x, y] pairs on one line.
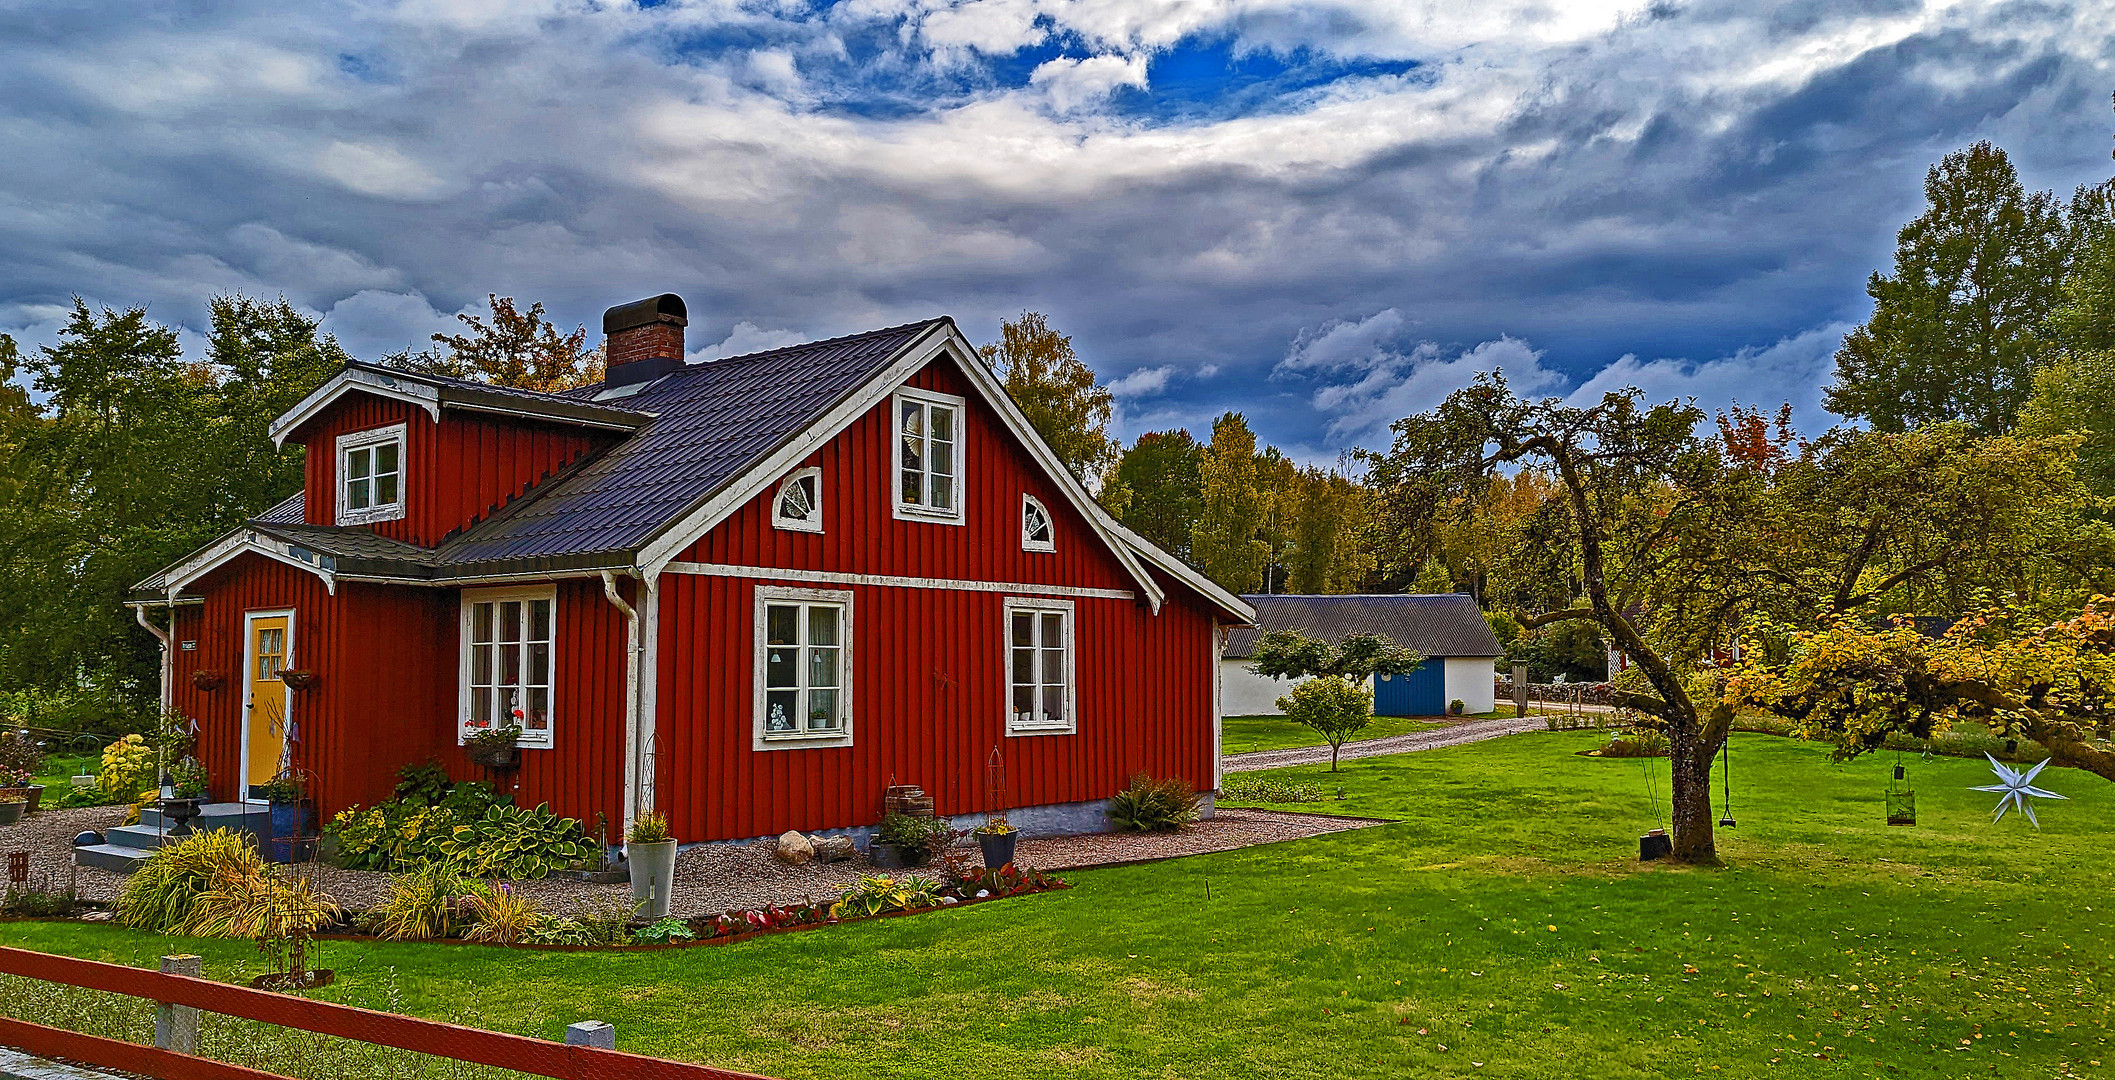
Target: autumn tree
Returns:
[[1957, 328], [1224, 541], [1057, 391], [2076, 391], [1330, 549], [516, 348], [1999, 669]]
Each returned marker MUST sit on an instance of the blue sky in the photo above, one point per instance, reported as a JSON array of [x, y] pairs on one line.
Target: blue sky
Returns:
[[1327, 214]]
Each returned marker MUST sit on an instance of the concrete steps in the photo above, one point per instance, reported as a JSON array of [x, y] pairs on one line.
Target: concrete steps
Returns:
[[125, 847]]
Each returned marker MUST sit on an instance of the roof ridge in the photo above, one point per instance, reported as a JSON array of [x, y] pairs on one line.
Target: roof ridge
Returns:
[[840, 339], [379, 368]]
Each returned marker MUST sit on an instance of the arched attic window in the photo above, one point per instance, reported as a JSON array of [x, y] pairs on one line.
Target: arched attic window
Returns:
[[798, 505], [1037, 533]]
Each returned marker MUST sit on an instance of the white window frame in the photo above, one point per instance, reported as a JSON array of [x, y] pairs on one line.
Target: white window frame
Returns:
[[767, 595], [930, 400], [813, 523], [1040, 605], [530, 740], [368, 440], [1028, 542]]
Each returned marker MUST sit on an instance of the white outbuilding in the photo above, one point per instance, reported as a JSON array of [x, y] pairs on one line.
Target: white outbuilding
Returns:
[[1449, 629]]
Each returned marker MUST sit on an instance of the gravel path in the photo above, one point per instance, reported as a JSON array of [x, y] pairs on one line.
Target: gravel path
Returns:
[[710, 878], [1451, 735]]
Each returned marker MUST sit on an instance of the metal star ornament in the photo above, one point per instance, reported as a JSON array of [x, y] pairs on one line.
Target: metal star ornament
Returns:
[[2017, 787]]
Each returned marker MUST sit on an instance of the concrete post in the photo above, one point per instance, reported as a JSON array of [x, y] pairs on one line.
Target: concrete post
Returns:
[[176, 1026], [595, 1033]]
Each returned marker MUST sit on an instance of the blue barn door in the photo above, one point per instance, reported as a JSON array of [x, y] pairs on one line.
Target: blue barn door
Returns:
[[1421, 693]]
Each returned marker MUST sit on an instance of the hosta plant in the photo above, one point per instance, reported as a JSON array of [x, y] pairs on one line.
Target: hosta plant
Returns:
[[877, 894]]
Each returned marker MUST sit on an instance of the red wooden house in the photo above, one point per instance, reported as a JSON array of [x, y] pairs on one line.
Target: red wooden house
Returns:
[[748, 593]]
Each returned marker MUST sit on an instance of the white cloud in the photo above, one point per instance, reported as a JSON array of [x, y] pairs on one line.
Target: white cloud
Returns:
[[1143, 382], [1794, 370], [1075, 83], [746, 338], [1390, 378], [372, 323]]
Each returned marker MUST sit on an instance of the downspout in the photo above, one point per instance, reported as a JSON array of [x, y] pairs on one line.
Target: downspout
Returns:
[[139, 611], [634, 739]]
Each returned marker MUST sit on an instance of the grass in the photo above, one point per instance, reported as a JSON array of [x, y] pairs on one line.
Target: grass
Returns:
[[1243, 734], [1501, 928]]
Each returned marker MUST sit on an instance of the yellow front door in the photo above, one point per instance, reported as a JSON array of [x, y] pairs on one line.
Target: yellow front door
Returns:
[[264, 728]]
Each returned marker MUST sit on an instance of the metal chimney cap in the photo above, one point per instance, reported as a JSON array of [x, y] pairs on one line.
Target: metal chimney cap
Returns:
[[665, 308]]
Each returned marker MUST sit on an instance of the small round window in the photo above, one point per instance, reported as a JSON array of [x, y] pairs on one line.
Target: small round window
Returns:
[[799, 502], [1036, 532]]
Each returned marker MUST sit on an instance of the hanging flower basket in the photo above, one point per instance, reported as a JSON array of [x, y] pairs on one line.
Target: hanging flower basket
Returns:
[[493, 749], [297, 679], [207, 680]]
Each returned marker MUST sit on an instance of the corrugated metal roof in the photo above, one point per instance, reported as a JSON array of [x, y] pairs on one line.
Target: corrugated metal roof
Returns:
[[712, 421], [1441, 625]]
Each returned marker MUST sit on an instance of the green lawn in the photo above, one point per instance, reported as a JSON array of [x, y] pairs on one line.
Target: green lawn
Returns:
[[1501, 928], [1242, 734]]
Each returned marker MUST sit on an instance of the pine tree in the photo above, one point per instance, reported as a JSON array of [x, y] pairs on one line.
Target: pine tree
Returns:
[[1956, 330]]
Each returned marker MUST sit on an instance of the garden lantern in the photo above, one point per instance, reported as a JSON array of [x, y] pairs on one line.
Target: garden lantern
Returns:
[[1901, 801]]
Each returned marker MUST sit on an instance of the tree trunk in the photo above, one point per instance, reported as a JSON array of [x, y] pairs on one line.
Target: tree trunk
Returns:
[[1333, 748], [1689, 767]]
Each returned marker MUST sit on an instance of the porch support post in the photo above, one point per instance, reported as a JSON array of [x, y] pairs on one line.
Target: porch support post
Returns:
[[139, 611]]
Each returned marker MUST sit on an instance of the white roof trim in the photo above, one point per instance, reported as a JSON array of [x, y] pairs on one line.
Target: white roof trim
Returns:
[[658, 553], [233, 546], [1182, 571], [388, 386]]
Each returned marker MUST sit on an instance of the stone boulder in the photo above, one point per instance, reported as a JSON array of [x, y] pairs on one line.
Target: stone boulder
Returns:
[[794, 849], [833, 848]]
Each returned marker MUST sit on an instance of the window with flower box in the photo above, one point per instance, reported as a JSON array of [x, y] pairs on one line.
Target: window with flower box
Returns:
[[508, 664]]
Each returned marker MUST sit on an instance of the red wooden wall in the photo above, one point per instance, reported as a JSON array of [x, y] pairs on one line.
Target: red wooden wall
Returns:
[[929, 681], [457, 472], [386, 664]]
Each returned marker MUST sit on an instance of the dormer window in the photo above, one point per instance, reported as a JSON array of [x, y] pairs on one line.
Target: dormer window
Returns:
[[928, 456], [371, 475], [1036, 534], [799, 503]]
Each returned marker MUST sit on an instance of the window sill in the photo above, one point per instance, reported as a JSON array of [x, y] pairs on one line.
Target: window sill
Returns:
[[906, 512], [802, 740], [371, 518], [1014, 731]]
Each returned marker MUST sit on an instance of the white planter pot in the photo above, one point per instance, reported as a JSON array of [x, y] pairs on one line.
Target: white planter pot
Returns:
[[653, 876]]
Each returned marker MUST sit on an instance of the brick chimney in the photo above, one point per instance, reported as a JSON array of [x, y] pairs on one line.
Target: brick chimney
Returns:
[[643, 340]]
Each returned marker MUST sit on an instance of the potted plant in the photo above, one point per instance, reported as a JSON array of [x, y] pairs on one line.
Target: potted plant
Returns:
[[903, 840], [995, 838], [493, 748], [651, 851], [192, 779], [11, 803], [293, 816]]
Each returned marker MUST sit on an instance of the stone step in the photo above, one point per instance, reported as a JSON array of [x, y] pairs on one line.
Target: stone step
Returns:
[[112, 857], [246, 817], [145, 837]]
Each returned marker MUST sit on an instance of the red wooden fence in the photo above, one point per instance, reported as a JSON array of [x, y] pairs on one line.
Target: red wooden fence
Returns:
[[539, 1057]]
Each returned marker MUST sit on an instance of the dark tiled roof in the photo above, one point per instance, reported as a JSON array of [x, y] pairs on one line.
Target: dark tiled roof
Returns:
[[576, 405], [355, 549], [712, 421], [291, 512], [1443, 625]]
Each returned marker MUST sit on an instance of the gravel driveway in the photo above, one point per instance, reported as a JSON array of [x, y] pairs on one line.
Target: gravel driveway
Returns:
[[1451, 735]]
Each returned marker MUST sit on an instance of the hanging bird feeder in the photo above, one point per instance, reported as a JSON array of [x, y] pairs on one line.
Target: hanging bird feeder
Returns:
[[1901, 801], [1725, 776]]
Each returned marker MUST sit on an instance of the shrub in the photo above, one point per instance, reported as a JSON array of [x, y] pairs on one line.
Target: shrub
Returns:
[[425, 903], [876, 894], [160, 894], [557, 931], [503, 915], [923, 835], [1333, 706], [510, 842], [425, 783], [128, 767], [650, 829], [1253, 787], [666, 932], [1636, 743], [1150, 805], [471, 830], [1009, 880], [607, 922], [20, 754]]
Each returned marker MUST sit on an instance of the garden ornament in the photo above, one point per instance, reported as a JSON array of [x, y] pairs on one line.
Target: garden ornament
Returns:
[[2017, 787]]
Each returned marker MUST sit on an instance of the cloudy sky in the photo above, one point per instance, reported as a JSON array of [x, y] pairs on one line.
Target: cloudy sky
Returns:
[[1326, 213]]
